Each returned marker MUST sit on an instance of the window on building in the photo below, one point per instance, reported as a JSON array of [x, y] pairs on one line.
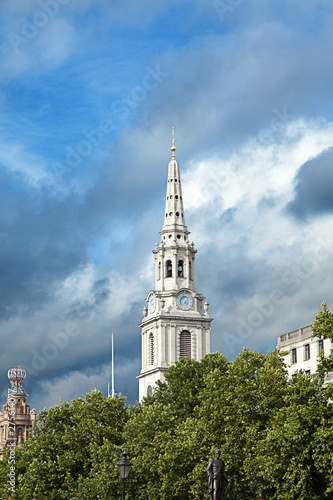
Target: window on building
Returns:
[[320, 346], [151, 349], [307, 373], [190, 270], [185, 344], [149, 390], [20, 435], [294, 355], [168, 269], [180, 269], [306, 351], [159, 271]]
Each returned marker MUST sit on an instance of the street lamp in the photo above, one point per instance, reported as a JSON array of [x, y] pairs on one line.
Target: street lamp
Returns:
[[124, 466]]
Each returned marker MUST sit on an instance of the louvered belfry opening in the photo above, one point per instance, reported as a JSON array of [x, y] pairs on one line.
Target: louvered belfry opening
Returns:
[[185, 344]]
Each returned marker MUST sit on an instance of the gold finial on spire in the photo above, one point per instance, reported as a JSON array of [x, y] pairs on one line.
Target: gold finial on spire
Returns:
[[173, 147]]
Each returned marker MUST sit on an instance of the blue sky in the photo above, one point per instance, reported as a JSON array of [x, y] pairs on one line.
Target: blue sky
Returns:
[[89, 93]]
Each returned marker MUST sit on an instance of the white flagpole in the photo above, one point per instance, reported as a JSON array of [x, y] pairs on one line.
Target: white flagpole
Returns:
[[112, 393]]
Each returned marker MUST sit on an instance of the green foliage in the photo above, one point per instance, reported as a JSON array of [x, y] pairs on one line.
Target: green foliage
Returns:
[[165, 438], [275, 434], [73, 451], [323, 328], [185, 383], [289, 457], [239, 407]]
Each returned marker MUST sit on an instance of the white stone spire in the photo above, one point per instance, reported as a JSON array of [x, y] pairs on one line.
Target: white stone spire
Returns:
[[174, 216], [176, 322]]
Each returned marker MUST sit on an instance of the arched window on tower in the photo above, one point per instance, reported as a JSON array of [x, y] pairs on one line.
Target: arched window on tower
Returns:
[[19, 435], [185, 344], [180, 269], [168, 269], [159, 271], [190, 270], [151, 349]]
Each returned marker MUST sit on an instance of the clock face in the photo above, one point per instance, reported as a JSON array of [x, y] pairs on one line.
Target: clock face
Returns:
[[152, 304], [184, 301]]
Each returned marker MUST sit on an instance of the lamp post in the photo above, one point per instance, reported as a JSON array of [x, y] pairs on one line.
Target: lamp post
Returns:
[[124, 466]]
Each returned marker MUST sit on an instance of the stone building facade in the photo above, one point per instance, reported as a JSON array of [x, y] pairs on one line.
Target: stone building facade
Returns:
[[16, 418], [303, 350]]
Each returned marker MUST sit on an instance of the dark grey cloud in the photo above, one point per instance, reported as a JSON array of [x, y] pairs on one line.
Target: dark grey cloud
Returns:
[[313, 192], [48, 232], [227, 86], [40, 248]]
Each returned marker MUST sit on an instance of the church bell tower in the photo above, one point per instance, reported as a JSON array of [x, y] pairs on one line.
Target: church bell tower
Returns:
[[16, 419], [176, 322]]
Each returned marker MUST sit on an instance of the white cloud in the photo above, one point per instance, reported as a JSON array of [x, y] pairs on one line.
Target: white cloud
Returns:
[[261, 250], [255, 168], [38, 42], [57, 43], [73, 385], [72, 328], [17, 158], [255, 171], [76, 383]]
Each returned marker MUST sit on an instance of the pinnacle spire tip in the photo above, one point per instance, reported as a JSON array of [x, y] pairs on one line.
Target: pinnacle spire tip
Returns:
[[173, 147]]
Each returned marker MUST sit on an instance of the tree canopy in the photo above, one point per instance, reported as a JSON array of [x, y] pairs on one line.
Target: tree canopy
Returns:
[[323, 329], [275, 434], [73, 451]]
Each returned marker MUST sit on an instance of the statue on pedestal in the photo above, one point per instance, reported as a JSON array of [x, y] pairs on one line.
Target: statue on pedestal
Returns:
[[216, 477]]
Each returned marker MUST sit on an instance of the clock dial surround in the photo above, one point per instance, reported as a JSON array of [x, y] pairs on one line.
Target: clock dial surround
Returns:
[[152, 304], [184, 301]]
